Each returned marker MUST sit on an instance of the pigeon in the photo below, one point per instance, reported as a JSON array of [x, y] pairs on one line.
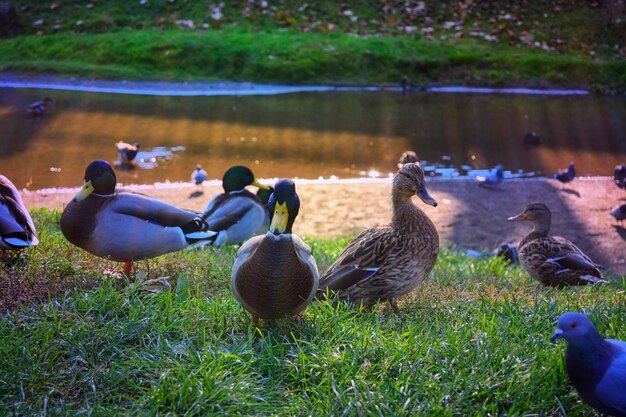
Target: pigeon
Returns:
[[494, 178], [619, 213], [619, 175], [533, 139], [198, 176], [596, 366], [566, 175]]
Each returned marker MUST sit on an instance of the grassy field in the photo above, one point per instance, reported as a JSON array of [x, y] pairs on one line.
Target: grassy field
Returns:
[[530, 43], [472, 340]]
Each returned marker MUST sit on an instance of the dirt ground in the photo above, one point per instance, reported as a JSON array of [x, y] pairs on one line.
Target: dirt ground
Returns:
[[468, 216]]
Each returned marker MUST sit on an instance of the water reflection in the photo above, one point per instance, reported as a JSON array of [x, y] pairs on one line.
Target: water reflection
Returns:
[[307, 135]]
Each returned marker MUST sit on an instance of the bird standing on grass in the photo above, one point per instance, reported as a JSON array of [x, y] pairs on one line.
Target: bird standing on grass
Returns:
[[553, 260], [566, 175], [17, 230], [385, 262], [596, 366], [275, 275], [237, 214], [124, 226]]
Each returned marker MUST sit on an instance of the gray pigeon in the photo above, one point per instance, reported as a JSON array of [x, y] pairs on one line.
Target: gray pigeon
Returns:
[[596, 366]]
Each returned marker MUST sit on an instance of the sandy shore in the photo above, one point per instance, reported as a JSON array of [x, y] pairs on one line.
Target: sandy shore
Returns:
[[468, 216]]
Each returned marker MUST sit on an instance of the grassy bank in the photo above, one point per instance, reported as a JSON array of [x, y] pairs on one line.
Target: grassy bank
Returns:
[[522, 43], [472, 340]]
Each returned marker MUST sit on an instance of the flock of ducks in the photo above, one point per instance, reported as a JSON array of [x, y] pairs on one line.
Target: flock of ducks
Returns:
[[274, 273]]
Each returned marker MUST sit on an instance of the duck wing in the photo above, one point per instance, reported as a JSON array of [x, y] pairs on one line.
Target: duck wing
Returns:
[[360, 260], [150, 209]]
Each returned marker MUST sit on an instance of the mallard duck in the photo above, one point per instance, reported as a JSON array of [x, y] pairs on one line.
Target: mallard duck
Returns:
[[17, 230], [124, 226], [198, 176], [596, 366], [385, 262], [38, 108], [407, 157], [275, 275], [127, 152], [237, 214], [553, 260], [566, 175], [495, 178]]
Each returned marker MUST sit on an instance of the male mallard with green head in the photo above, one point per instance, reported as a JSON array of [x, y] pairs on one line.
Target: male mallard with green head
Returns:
[[124, 226], [553, 260], [17, 230], [237, 214], [275, 275], [385, 262]]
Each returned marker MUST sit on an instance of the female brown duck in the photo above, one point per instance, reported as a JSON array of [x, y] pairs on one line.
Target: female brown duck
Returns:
[[552, 260], [385, 262]]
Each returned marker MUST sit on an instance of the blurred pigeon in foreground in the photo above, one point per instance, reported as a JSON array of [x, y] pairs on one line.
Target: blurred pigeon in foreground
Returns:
[[494, 178], [619, 213], [596, 366], [566, 175], [619, 175]]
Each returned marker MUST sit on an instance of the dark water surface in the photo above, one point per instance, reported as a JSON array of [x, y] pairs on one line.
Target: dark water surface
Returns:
[[305, 135]]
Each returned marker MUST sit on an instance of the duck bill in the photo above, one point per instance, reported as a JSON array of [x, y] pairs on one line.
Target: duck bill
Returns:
[[558, 334], [425, 197], [261, 186], [519, 218], [84, 192], [280, 219]]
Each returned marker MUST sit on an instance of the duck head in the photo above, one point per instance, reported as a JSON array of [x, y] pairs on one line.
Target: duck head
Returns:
[[264, 194], [238, 177], [284, 205], [409, 181], [534, 212], [99, 179]]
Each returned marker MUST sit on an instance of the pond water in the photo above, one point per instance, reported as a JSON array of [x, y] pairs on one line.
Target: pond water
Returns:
[[307, 135]]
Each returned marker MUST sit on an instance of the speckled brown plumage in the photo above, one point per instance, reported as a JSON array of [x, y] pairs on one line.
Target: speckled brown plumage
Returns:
[[553, 260], [383, 263]]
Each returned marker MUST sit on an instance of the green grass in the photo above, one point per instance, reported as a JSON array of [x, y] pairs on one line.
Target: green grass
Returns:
[[472, 340], [323, 43]]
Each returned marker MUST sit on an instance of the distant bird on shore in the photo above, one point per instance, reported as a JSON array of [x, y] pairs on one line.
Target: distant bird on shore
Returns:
[[385, 262], [596, 366], [237, 214], [553, 260], [408, 157], [495, 178], [533, 139], [198, 176], [275, 275], [39, 108], [619, 175], [17, 230], [619, 213], [124, 226], [566, 175], [126, 151]]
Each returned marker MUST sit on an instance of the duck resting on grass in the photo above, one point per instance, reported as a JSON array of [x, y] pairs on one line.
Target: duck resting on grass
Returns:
[[275, 275], [237, 214], [596, 366], [17, 230], [385, 262], [553, 260], [124, 226]]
